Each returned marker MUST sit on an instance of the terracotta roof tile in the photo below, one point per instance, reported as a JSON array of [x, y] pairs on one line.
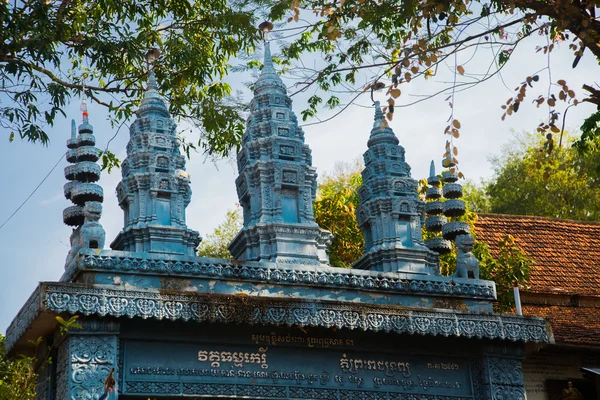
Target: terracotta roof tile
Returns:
[[566, 253], [571, 325]]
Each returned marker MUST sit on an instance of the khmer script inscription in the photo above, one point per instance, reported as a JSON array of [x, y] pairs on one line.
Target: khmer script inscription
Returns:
[[292, 363]]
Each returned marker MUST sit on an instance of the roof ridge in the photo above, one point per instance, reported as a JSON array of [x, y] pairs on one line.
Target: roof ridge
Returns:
[[535, 217]]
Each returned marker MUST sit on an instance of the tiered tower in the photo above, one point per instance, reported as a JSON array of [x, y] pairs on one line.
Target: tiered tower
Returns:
[[82, 189], [155, 189], [452, 208], [277, 184], [390, 213]]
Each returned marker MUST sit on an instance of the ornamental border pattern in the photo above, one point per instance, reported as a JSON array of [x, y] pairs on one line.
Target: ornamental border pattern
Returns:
[[278, 312], [273, 391], [23, 319], [344, 278]]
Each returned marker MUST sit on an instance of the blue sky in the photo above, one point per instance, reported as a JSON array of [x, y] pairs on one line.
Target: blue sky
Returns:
[[34, 244]]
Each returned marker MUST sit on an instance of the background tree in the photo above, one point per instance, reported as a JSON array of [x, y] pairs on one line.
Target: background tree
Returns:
[[475, 196], [17, 376], [215, 244], [529, 180], [335, 209], [394, 42], [53, 50]]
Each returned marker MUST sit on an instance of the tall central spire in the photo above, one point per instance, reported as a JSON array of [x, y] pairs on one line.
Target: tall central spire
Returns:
[[277, 184], [390, 213], [155, 189]]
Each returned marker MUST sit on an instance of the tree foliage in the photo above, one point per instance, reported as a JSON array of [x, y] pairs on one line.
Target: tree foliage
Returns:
[[391, 43], [335, 208], [53, 50], [215, 244], [17, 376], [560, 184]]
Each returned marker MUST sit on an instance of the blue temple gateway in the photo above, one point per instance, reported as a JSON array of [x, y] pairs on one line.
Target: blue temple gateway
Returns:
[[278, 322]]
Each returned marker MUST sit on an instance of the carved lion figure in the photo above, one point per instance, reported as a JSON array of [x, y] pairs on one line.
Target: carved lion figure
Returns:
[[467, 266], [90, 235]]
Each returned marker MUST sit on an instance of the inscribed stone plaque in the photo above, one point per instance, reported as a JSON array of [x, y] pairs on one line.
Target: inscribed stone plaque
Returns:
[[283, 365]]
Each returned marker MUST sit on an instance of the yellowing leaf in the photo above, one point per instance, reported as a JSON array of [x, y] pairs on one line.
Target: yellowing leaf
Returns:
[[395, 93], [460, 69], [456, 124]]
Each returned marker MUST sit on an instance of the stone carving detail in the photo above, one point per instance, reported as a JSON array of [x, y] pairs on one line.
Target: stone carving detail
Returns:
[[273, 391], [115, 303], [314, 393], [387, 214], [503, 378], [290, 177], [272, 273], [467, 266], [156, 222], [90, 360], [273, 154], [90, 235], [152, 387]]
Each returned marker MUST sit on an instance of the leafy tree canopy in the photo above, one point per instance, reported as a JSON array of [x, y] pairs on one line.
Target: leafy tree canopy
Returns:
[[394, 42], [335, 209], [215, 244], [530, 180], [53, 50], [17, 376]]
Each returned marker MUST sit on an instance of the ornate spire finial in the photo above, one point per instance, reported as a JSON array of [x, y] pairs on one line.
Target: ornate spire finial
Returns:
[[378, 115], [266, 27], [84, 111], [268, 64], [432, 168], [73, 130], [152, 84]]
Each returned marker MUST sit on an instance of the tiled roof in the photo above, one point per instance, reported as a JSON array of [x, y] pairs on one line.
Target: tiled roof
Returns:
[[566, 257], [571, 325], [566, 253]]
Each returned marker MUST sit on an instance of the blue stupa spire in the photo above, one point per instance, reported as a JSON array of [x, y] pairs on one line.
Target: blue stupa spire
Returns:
[[390, 214], [277, 183], [155, 189], [82, 189]]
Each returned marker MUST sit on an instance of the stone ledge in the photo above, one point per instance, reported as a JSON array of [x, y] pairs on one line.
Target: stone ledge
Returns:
[[106, 301], [281, 274]]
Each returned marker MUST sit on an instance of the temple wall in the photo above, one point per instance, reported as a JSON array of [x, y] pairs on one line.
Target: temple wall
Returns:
[[547, 374]]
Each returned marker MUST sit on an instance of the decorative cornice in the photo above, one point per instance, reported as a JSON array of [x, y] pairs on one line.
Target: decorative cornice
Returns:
[[26, 315], [88, 300], [283, 274]]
